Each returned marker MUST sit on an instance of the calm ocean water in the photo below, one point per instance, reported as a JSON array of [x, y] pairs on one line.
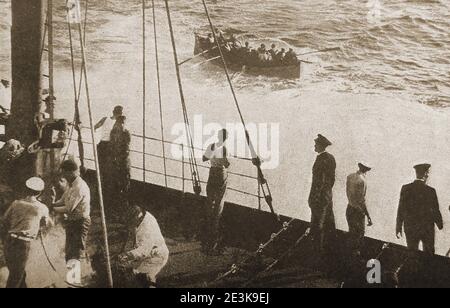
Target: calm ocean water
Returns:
[[381, 98]]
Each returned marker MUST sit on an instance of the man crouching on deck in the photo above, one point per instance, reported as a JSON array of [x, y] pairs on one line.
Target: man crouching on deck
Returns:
[[75, 204], [147, 253]]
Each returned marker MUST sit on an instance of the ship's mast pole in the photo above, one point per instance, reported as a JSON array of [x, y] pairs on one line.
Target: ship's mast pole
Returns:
[[28, 19], [51, 87]]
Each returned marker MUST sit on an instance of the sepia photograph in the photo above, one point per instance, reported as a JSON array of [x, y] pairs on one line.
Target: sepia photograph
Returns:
[[224, 150]]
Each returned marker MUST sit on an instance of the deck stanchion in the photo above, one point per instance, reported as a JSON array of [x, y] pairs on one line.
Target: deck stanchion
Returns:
[[183, 167]]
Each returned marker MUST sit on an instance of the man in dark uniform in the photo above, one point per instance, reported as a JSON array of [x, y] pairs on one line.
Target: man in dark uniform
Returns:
[[321, 196], [419, 212]]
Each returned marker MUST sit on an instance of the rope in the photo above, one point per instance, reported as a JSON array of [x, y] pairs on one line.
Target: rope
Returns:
[[47, 257], [277, 261], [158, 77], [97, 167], [235, 268], [192, 160], [265, 188], [77, 93], [144, 88]]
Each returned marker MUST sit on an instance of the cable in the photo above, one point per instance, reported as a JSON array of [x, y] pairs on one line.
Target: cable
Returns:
[[144, 88], [192, 160], [158, 77], [97, 167]]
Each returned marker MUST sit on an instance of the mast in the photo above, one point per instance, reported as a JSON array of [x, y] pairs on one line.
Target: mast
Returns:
[[51, 87], [28, 18]]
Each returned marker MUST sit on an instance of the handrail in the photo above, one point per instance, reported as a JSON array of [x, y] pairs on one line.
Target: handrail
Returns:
[[181, 161], [187, 179], [178, 144]]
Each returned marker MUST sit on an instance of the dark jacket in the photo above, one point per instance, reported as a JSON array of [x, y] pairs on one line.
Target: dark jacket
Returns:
[[418, 210], [324, 176]]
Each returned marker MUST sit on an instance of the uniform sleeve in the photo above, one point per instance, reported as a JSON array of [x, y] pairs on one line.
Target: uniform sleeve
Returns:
[[329, 173], [401, 211], [437, 216]]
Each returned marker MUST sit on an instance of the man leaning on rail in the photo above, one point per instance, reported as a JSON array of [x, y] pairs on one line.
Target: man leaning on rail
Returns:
[[217, 155], [104, 129]]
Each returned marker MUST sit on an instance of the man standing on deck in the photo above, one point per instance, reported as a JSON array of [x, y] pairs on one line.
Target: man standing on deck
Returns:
[[357, 208], [147, 252], [418, 212], [75, 204], [121, 164], [105, 127], [321, 197], [217, 155], [22, 224]]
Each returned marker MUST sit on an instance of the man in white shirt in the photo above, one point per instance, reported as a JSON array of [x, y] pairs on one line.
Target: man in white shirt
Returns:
[[75, 204], [22, 223], [357, 208], [147, 252], [217, 155]]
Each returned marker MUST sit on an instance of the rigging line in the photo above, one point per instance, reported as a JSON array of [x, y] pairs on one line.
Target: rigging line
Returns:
[[77, 96], [144, 88], [97, 167], [255, 158], [192, 159], [284, 256], [77, 106], [158, 76], [52, 265], [74, 89]]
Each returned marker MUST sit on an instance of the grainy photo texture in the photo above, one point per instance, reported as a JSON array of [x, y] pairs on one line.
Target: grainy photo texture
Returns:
[[224, 144]]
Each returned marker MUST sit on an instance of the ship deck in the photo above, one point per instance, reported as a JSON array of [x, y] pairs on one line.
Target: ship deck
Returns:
[[181, 216]]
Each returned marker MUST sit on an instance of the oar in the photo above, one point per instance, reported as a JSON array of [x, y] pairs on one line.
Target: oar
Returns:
[[196, 56], [209, 60], [320, 51]]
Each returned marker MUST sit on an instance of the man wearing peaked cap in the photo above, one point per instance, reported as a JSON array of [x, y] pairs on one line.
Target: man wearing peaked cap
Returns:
[[357, 208], [22, 224], [321, 140], [321, 196], [418, 212]]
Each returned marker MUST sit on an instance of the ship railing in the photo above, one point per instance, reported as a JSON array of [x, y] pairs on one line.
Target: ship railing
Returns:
[[182, 176]]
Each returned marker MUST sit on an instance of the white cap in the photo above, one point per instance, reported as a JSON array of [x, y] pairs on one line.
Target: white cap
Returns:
[[36, 184]]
